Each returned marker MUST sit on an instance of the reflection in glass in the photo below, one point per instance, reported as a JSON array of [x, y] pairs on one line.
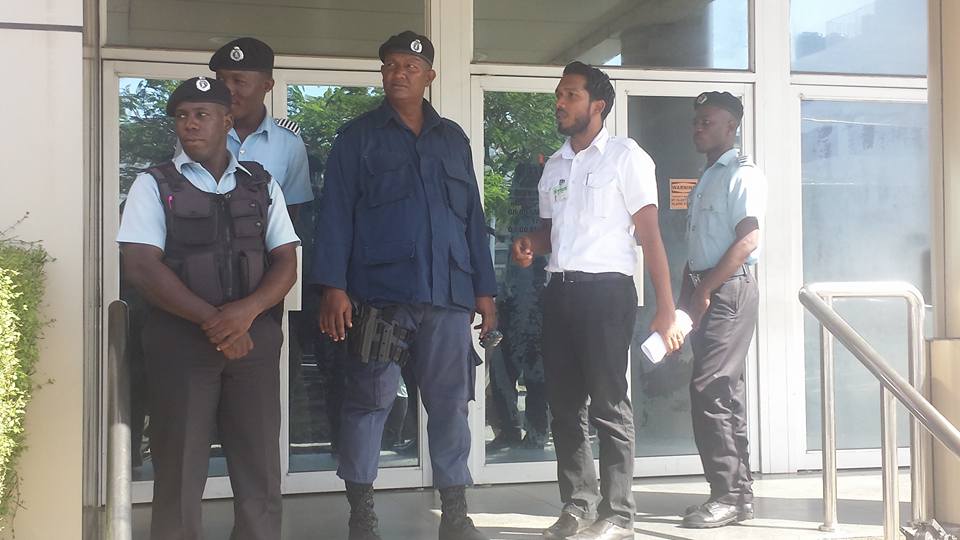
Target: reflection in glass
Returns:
[[351, 28], [519, 132], [316, 376], [711, 34], [146, 138], [660, 393], [866, 205], [886, 37]]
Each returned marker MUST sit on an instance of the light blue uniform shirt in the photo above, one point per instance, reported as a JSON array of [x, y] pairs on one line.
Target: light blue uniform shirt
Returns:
[[729, 191], [144, 221], [282, 154]]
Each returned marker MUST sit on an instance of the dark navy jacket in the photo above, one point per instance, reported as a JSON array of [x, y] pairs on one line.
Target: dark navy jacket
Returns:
[[400, 219]]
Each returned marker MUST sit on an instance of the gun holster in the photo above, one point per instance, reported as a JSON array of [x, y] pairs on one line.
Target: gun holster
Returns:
[[377, 337]]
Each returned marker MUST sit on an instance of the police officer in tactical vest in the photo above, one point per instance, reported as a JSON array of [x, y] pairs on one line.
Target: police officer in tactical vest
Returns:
[[403, 256], [208, 243]]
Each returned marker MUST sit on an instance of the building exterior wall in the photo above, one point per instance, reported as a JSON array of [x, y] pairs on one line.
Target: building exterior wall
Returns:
[[42, 154]]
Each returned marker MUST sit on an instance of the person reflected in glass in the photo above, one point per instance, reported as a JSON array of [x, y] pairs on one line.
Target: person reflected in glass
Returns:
[[598, 199], [724, 217], [520, 311]]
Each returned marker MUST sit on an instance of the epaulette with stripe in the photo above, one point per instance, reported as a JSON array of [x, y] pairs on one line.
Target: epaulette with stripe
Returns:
[[745, 161], [288, 125]]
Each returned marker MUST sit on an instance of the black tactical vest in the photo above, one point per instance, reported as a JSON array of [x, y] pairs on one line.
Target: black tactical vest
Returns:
[[216, 243]]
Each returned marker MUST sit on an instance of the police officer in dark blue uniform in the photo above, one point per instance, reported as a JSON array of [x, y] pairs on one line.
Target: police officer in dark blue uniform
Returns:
[[402, 254]]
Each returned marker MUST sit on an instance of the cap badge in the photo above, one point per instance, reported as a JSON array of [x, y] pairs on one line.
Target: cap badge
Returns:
[[236, 54], [416, 46], [701, 99], [203, 84]]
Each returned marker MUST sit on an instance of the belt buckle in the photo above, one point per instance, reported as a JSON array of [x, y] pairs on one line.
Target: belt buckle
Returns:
[[695, 279]]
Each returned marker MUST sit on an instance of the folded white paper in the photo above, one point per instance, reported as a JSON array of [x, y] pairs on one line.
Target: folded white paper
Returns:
[[655, 348]]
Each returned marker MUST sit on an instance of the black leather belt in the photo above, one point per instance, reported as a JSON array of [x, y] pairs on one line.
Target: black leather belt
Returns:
[[583, 277], [697, 277]]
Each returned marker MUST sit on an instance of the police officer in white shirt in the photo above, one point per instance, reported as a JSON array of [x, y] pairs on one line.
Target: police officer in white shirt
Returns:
[[724, 218], [598, 198]]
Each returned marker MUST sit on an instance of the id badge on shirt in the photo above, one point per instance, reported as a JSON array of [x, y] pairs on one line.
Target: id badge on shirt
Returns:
[[560, 191]]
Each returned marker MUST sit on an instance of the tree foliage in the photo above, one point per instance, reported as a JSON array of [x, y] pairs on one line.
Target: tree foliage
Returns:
[[146, 132]]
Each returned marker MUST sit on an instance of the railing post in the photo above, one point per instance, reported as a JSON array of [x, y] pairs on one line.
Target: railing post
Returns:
[[828, 428], [921, 447], [888, 455], [119, 510]]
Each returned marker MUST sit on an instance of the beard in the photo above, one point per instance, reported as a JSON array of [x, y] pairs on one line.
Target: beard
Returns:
[[579, 124]]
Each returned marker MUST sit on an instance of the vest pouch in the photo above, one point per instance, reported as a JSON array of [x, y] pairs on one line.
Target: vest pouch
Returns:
[[248, 218], [193, 220], [201, 274], [252, 267]]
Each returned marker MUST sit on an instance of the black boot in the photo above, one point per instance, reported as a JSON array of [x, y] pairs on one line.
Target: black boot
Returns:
[[363, 520], [454, 523]]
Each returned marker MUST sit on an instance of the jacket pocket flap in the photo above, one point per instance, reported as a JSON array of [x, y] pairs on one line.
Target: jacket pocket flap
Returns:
[[462, 260], [191, 207], [382, 162], [388, 253], [456, 169]]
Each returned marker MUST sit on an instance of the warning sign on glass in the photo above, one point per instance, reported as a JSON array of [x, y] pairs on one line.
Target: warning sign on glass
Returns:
[[680, 189]]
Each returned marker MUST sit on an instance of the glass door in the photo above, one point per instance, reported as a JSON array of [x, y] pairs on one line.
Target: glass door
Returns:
[[514, 133], [320, 102], [137, 133]]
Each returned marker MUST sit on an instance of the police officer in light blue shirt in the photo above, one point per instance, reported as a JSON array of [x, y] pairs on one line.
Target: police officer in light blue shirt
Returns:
[[724, 219], [401, 233], [246, 66], [208, 243]]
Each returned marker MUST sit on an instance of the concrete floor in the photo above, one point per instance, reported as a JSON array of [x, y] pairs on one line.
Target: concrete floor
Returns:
[[787, 507]]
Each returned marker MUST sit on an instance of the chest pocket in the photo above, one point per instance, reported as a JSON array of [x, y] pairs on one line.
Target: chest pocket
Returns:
[[710, 214], [388, 180], [248, 218], [600, 193], [193, 220], [458, 185]]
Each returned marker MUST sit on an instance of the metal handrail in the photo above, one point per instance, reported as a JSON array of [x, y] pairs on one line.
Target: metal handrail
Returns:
[[119, 525], [817, 298]]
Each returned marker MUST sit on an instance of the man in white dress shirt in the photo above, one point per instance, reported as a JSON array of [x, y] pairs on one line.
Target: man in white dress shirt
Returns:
[[598, 198]]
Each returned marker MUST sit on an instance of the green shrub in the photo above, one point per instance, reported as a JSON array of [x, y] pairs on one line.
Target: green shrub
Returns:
[[21, 290]]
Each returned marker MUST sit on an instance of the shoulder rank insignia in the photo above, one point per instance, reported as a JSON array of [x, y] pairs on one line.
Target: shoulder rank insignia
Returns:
[[288, 125], [745, 161]]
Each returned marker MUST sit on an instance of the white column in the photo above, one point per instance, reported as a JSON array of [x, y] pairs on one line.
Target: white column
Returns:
[[42, 154], [944, 99]]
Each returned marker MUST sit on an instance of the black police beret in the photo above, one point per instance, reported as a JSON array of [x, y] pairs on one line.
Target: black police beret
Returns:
[[199, 90], [410, 43], [723, 100], [243, 54]]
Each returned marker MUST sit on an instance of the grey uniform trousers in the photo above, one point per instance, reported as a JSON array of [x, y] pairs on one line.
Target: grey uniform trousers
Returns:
[[194, 390], [717, 393]]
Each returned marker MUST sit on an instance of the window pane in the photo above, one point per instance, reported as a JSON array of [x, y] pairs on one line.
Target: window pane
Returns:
[[331, 27], [660, 393], [886, 37], [866, 217], [519, 132], [316, 375], [146, 138], [648, 33]]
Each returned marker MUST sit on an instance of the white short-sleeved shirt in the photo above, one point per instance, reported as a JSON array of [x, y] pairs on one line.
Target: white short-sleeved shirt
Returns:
[[590, 198], [729, 191], [143, 218]]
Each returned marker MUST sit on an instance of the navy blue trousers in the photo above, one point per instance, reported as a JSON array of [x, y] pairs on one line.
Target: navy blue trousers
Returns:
[[444, 371]]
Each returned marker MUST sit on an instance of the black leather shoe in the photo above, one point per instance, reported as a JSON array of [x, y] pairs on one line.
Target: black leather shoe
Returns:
[[604, 530], [712, 514], [745, 511], [566, 525]]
